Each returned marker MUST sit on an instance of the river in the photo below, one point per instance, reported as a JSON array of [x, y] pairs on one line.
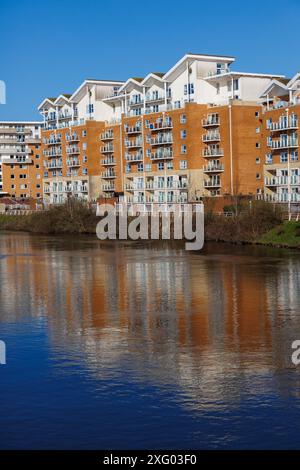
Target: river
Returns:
[[147, 346]]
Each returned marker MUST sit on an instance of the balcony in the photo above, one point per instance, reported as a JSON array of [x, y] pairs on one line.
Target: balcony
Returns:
[[137, 129], [80, 188], [46, 189], [108, 161], [50, 117], [16, 161], [212, 183], [212, 152], [72, 137], [107, 148], [107, 135], [54, 164], [73, 150], [108, 174], [56, 152], [162, 154], [154, 185], [135, 143], [73, 163], [108, 187], [162, 139], [52, 141], [64, 116], [211, 137], [283, 143], [213, 168], [157, 126], [211, 121], [283, 125], [136, 101], [14, 151], [154, 97], [134, 157], [282, 180]]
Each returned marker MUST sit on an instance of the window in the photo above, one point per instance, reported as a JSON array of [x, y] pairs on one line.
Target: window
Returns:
[[256, 113], [182, 118], [257, 161], [257, 145], [294, 156], [147, 123], [160, 166], [84, 159], [258, 176], [38, 186], [84, 171], [13, 186], [269, 158], [183, 149], [189, 89], [89, 108], [140, 167], [148, 167], [39, 176], [257, 130], [37, 166], [283, 157], [37, 157], [177, 104], [170, 165], [183, 134], [23, 186], [236, 84], [84, 146], [183, 164], [84, 133], [128, 168]]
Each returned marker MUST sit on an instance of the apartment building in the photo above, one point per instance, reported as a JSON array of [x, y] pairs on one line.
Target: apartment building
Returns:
[[281, 101], [72, 125], [194, 131], [197, 130], [21, 165]]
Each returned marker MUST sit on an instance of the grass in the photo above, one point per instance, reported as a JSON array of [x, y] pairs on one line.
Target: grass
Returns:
[[286, 234]]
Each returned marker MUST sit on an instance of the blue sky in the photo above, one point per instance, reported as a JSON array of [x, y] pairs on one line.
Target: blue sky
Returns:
[[49, 47]]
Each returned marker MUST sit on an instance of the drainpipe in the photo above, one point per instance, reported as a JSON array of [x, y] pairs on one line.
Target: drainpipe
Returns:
[[188, 82], [231, 153], [289, 168]]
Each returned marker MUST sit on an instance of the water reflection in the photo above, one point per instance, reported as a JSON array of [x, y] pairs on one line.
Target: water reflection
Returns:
[[209, 325]]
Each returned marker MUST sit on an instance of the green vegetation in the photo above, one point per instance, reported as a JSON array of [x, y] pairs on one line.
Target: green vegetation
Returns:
[[286, 234], [73, 217], [247, 225]]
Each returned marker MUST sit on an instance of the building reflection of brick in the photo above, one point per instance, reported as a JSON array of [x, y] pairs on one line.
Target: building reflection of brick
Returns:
[[181, 317]]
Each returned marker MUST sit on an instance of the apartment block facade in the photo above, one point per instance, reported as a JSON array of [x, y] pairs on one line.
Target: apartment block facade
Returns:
[[281, 101], [21, 163], [198, 130]]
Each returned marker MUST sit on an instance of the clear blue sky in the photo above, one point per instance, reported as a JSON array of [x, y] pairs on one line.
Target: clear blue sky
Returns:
[[48, 47]]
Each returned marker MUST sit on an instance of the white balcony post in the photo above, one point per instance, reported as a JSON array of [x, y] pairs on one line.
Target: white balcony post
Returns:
[[56, 110], [166, 100]]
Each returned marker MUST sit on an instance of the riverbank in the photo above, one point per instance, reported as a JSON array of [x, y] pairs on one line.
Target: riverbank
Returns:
[[261, 223]]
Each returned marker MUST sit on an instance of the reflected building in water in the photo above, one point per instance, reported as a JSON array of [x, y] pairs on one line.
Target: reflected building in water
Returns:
[[186, 319]]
